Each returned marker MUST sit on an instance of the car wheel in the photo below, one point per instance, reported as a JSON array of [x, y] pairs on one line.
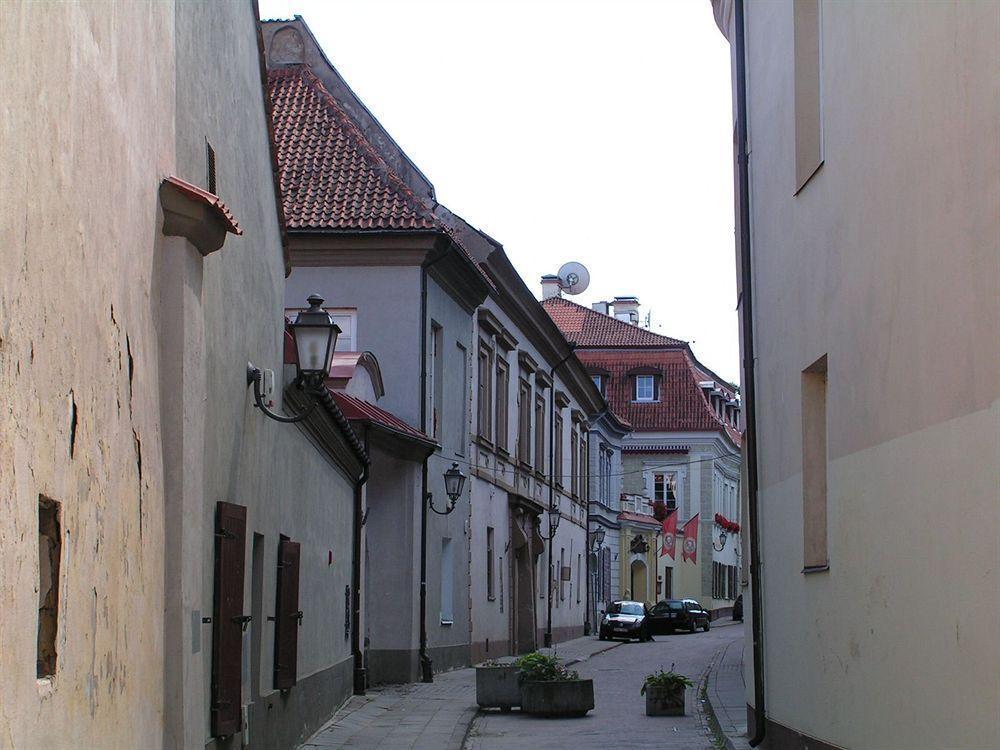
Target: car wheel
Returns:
[[707, 625], [694, 625]]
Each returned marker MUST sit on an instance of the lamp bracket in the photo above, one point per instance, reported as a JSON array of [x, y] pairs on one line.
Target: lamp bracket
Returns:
[[429, 497], [253, 380]]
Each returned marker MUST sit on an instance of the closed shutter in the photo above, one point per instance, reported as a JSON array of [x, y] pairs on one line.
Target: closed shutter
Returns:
[[228, 621], [656, 387], [287, 616]]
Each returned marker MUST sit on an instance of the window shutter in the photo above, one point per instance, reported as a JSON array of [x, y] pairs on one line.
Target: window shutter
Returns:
[[227, 620], [288, 615], [656, 388]]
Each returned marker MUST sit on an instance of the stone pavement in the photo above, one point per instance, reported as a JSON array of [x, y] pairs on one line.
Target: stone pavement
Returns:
[[433, 716], [619, 717], [726, 692]]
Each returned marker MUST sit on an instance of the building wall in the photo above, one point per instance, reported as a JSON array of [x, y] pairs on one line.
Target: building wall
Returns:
[[496, 478], [885, 261], [79, 227], [229, 309], [392, 568]]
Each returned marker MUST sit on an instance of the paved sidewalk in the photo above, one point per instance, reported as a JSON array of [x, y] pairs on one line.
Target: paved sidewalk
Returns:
[[419, 715], [726, 692]]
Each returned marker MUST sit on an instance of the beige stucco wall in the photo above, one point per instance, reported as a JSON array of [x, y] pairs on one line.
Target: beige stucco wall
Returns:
[[886, 261], [87, 129]]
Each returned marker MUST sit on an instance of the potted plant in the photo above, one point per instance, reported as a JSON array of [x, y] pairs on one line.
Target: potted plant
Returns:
[[497, 685], [548, 688], [665, 692]]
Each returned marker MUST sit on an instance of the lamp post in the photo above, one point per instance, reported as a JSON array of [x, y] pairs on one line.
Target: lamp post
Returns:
[[595, 578], [454, 484], [315, 335], [554, 518]]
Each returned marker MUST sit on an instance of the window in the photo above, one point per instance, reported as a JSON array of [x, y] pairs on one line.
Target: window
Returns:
[[484, 394], [806, 21], [574, 458], [346, 319], [502, 385], [49, 559], [447, 582], [645, 388], [814, 458], [463, 433], [489, 564], [599, 382], [557, 461], [539, 432], [523, 421], [665, 489], [436, 389], [583, 464]]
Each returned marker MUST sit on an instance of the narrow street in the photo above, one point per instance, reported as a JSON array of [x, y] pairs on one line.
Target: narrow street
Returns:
[[438, 716]]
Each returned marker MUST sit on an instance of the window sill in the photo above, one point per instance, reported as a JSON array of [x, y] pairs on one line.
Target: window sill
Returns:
[[503, 452], [447, 623], [491, 598], [484, 441], [809, 569]]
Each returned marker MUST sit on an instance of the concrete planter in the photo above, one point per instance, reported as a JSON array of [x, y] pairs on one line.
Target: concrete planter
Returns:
[[497, 687], [661, 701], [562, 698]]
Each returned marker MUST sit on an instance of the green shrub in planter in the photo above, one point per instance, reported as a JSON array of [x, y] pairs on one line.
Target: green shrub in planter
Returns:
[[548, 688], [665, 692]]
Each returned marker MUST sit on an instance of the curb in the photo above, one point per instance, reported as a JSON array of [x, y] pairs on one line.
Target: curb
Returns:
[[711, 719], [604, 650]]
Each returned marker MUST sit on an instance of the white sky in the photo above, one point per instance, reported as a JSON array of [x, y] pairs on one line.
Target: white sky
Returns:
[[567, 130]]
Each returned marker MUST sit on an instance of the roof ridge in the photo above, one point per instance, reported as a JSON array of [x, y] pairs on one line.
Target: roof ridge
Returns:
[[621, 324]]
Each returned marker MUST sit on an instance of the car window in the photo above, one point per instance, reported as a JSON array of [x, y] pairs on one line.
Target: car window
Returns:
[[632, 609], [675, 605], [658, 609]]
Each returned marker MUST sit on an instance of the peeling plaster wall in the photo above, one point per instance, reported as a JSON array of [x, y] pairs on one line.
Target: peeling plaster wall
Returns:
[[85, 146]]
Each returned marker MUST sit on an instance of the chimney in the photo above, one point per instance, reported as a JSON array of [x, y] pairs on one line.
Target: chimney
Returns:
[[627, 309], [601, 307], [550, 286]]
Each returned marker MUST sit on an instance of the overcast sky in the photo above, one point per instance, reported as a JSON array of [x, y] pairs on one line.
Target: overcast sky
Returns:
[[592, 131]]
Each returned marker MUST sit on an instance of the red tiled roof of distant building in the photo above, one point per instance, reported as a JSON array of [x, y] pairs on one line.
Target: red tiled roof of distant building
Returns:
[[681, 405], [357, 410], [331, 176], [637, 517], [589, 328]]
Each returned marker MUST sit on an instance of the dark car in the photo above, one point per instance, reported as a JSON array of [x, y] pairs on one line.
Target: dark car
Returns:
[[678, 614], [738, 608], [625, 619]]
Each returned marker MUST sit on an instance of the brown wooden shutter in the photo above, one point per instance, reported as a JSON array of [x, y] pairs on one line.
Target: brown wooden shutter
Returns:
[[287, 615], [228, 620], [656, 388]]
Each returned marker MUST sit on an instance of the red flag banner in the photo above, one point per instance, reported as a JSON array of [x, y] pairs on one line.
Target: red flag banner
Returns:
[[669, 535], [690, 551]]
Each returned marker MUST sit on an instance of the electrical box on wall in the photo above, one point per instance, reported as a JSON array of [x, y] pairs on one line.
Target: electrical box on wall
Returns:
[[267, 387]]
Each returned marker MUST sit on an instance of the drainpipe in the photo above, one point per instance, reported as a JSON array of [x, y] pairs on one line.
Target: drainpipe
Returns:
[[587, 612], [426, 665], [552, 483], [360, 676], [749, 365]]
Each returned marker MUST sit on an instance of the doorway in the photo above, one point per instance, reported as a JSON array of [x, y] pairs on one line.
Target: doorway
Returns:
[[639, 590]]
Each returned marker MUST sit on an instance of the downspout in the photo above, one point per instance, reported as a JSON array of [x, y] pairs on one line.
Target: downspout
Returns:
[[552, 484], [360, 676], [587, 612], [749, 364], [426, 665]]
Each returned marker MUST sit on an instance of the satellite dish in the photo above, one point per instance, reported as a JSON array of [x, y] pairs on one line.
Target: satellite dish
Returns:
[[573, 277]]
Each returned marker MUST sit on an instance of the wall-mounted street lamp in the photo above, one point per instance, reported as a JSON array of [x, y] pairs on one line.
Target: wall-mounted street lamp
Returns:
[[454, 483], [723, 537], [599, 538], [554, 518], [315, 335]]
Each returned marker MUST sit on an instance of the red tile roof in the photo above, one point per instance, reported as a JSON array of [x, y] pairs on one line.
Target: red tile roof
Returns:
[[197, 194], [331, 176], [357, 410], [637, 518], [589, 328]]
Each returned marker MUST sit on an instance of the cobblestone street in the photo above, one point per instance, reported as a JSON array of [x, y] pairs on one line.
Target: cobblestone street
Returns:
[[443, 715]]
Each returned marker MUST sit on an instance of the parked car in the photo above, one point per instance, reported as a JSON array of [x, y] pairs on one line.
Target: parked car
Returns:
[[738, 608], [625, 619], [678, 614]]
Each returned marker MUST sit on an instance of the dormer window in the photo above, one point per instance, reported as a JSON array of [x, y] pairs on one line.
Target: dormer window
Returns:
[[599, 381], [645, 387]]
